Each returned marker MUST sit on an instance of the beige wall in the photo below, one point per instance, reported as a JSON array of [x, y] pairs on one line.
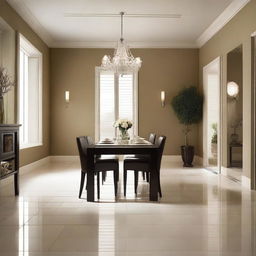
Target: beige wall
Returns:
[[234, 33], [162, 69], [14, 20], [8, 61]]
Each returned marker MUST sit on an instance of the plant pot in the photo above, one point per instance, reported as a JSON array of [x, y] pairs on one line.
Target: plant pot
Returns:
[[187, 154]]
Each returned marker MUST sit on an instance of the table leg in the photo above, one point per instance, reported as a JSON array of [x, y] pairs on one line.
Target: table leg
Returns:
[[90, 176], [153, 185], [230, 156], [16, 184]]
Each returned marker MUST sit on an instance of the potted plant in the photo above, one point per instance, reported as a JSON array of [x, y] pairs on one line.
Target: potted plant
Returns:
[[188, 107], [214, 140]]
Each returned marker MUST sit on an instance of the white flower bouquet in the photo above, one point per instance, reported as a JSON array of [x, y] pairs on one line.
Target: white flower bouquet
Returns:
[[123, 125]]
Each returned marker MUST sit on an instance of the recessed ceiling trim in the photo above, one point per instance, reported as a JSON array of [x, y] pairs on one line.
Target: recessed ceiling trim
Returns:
[[86, 44], [126, 15], [221, 21]]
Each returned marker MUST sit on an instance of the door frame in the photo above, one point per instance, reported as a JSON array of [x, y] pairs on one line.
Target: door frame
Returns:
[[217, 60], [253, 110]]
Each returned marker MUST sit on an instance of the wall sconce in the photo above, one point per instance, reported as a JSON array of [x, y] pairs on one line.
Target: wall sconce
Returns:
[[163, 98], [232, 89], [67, 97]]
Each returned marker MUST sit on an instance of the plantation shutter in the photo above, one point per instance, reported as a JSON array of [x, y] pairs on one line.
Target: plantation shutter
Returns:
[[116, 100], [107, 105], [126, 99]]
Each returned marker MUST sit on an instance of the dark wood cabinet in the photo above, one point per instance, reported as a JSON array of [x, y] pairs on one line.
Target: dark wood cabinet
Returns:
[[9, 153]]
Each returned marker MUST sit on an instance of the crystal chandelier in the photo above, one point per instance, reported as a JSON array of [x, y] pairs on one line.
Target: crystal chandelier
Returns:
[[123, 60]]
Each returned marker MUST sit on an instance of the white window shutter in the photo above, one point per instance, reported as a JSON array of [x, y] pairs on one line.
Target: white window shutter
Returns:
[[126, 98], [116, 98], [107, 105]]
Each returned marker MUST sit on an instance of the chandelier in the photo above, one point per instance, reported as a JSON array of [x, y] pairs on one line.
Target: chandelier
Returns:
[[123, 60]]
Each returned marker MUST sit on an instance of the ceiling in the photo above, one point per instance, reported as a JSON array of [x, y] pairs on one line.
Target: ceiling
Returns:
[[148, 23]]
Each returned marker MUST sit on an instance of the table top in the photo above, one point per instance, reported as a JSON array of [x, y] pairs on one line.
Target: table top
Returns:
[[129, 145], [122, 148]]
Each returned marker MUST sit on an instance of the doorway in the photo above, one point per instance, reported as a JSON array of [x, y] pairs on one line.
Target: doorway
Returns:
[[234, 115], [211, 116], [253, 174]]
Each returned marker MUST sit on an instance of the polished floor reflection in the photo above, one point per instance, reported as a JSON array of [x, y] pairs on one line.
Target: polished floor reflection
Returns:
[[200, 214]]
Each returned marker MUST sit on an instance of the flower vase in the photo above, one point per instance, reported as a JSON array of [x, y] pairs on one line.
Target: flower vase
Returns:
[[2, 119], [124, 135]]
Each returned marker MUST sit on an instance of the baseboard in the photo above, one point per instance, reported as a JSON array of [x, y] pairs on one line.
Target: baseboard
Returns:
[[172, 158], [57, 159], [246, 182], [167, 158], [177, 159], [198, 160], [32, 166], [27, 168]]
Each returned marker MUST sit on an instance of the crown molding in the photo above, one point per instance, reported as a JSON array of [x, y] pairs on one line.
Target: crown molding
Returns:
[[217, 24], [112, 44], [21, 8], [221, 21]]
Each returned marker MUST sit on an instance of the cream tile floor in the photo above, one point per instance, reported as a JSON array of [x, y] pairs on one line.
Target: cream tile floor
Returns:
[[200, 214]]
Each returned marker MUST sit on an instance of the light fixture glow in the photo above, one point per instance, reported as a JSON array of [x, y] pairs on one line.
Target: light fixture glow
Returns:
[[67, 96], [162, 98], [232, 89], [123, 60]]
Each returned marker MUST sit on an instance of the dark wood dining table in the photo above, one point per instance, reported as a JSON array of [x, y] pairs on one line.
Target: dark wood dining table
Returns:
[[123, 149]]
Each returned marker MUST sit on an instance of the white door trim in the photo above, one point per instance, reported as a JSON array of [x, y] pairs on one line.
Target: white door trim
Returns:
[[205, 117]]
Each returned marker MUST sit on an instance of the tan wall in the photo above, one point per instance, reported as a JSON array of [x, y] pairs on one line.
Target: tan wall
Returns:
[[17, 23], [234, 33], [8, 61], [74, 70]]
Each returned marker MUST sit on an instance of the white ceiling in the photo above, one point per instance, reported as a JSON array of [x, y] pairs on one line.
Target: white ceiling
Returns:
[[158, 23]]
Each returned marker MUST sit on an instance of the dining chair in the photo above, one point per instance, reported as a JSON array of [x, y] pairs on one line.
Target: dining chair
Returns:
[[142, 164], [151, 139], [101, 164]]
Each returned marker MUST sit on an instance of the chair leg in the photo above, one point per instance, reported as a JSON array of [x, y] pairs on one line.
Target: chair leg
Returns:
[[81, 183], [98, 185], [125, 180], [143, 175], [159, 186], [115, 181], [104, 174], [147, 175], [117, 174], [136, 178]]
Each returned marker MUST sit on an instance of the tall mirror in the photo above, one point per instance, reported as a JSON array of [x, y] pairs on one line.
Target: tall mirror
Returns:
[[235, 112], [7, 61]]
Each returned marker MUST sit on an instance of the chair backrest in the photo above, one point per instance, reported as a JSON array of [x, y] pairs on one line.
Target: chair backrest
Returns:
[[152, 138], [82, 143], [160, 142]]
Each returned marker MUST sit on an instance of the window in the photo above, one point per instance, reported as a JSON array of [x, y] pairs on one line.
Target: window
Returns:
[[30, 94], [116, 97]]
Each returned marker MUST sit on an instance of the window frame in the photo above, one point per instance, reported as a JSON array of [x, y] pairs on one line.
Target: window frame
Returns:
[[98, 71], [31, 51]]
